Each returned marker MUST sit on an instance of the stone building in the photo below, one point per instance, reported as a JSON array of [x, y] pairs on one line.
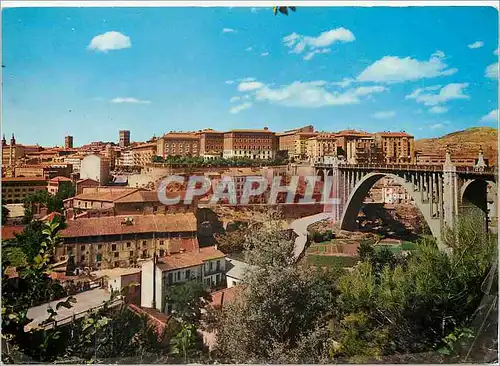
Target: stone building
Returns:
[[253, 144], [123, 241]]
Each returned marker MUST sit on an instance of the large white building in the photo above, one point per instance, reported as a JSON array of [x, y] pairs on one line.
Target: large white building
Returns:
[[126, 158], [206, 265], [95, 167]]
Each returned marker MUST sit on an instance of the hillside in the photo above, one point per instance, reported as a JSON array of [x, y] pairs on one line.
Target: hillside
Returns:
[[466, 142]]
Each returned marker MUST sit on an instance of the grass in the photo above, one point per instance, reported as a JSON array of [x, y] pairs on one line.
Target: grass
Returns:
[[330, 260]]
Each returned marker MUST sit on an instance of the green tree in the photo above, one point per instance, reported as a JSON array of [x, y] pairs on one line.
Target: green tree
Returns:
[[279, 313], [5, 214], [232, 242], [187, 300]]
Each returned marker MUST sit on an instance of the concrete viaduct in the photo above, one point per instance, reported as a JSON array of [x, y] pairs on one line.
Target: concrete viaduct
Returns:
[[440, 192]]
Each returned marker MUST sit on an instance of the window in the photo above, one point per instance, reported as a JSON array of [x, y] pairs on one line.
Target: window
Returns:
[[178, 275], [113, 247], [99, 246], [117, 264], [211, 265], [128, 244], [161, 242], [188, 274], [82, 248], [116, 255], [162, 253], [82, 258], [131, 253], [218, 266], [144, 243]]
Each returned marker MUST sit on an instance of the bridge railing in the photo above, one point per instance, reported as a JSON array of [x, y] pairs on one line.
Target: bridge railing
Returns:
[[412, 167]]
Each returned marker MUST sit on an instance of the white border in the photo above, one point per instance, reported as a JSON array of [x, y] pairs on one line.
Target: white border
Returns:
[[242, 3]]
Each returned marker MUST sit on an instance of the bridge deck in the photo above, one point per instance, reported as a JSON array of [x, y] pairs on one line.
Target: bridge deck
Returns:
[[411, 167]]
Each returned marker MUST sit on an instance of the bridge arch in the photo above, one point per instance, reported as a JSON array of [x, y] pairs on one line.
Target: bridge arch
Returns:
[[474, 193], [360, 191]]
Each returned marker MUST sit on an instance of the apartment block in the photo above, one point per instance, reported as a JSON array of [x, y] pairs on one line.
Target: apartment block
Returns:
[[178, 144], [398, 147], [211, 143], [253, 144], [321, 145], [95, 167], [16, 189], [142, 154], [123, 241]]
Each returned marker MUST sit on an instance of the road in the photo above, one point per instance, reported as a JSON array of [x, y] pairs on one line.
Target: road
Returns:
[[300, 226]]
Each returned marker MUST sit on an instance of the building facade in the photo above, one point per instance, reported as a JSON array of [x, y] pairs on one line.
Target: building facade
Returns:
[[398, 147], [15, 189], [143, 154], [253, 144], [205, 265], [295, 141], [211, 143], [123, 241], [57, 183], [178, 144], [95, 167], [324, 144]]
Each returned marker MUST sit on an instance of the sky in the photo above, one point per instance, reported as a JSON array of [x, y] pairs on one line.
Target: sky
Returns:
[[89, 72]]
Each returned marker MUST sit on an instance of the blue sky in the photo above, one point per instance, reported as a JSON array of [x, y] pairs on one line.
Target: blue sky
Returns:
[[89, 72]]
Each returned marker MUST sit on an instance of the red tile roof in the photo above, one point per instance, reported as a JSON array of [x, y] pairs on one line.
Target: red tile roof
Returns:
[[51, 216], [189, 259], [108, 195], [23, 179], [9, 231], [113, 225], [224, 296], [59, 179], [138, 197]]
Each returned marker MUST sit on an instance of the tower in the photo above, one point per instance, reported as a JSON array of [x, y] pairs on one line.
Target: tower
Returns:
[[124, 140], [11, 150], [68, 142], [4, 141]]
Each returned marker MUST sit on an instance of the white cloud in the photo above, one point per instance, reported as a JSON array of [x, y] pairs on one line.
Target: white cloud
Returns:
[[492, 71], [240, 107], [264, 54], [249, 48], [249, 85], [477, 44], [436, 126], [234, 99], [491, 117], [393, 69], [228, 30], [344, 83], [129, 100], [308, 56], [384, 114], [438, 110], [299, 43], [428, 97], [495, 52], [229, 82], [312, 94], [109, 41]]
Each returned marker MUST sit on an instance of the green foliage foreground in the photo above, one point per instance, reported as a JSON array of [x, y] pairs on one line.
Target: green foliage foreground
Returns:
[[387, 305], [285, 312]]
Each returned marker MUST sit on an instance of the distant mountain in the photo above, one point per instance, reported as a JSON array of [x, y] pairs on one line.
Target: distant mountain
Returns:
[[466, 142]]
